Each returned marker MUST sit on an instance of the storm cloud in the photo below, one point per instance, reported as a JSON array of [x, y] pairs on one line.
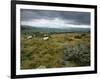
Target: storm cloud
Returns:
[[68, 17]]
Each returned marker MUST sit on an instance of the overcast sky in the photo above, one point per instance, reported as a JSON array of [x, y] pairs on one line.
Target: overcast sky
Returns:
[[55, 19]]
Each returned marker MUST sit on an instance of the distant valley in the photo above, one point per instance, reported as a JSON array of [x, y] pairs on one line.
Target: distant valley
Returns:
[[48, 30]]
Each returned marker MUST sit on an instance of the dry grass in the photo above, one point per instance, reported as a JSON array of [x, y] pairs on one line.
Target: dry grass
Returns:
[[36, 52]]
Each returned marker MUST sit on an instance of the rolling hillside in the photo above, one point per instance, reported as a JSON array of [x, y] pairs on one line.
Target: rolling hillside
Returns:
[[48, 30]]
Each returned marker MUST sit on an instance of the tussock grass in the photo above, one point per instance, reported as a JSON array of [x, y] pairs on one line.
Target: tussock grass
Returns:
[[53, 53]]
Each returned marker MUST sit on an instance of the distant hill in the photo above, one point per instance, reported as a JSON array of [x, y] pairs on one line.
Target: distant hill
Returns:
[[48, 30]]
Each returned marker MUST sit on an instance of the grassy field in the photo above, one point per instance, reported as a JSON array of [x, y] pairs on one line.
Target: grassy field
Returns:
[[60, 50]]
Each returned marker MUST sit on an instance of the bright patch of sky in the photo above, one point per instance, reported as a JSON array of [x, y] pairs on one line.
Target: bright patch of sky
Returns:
[[55, 23]]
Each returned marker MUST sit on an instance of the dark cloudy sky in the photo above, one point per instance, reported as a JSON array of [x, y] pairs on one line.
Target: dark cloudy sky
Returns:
[[56, 19]]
